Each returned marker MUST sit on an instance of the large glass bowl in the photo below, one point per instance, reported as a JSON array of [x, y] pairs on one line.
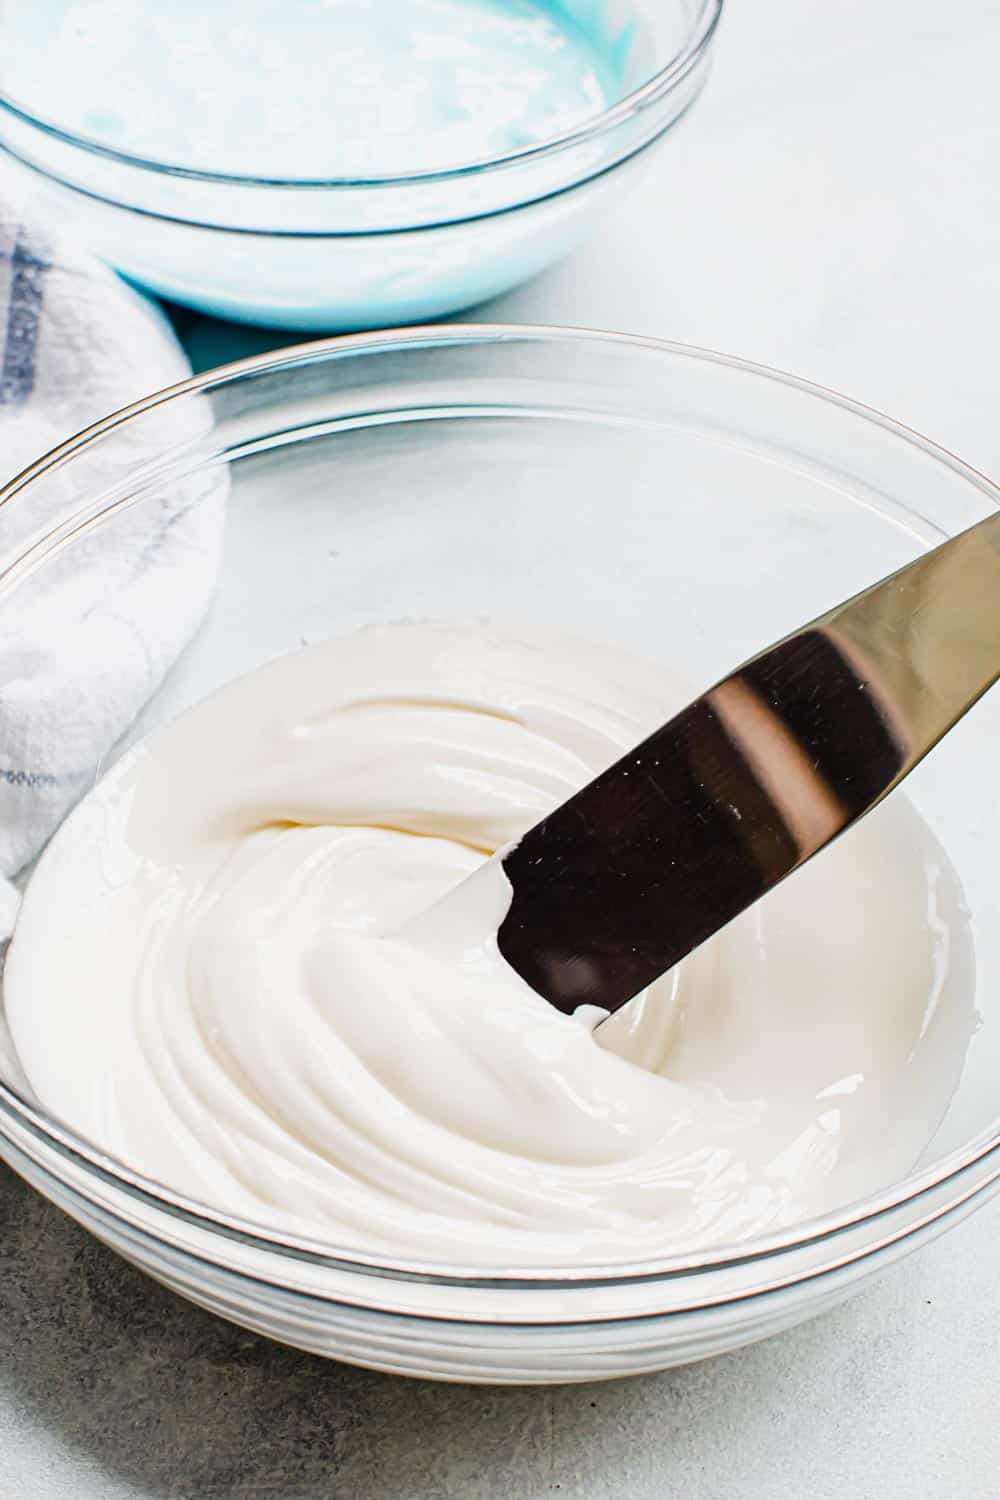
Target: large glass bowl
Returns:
[[681, 503], [336, 253]]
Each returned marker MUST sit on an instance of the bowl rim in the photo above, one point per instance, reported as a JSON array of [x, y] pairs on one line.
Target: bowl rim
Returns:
[[430, 226], [699, 33], [983, 1151]]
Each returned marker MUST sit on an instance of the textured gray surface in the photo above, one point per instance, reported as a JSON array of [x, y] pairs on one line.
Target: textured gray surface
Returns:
[[112, 1387], [831, 207]]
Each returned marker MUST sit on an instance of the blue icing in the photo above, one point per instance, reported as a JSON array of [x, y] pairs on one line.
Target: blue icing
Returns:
[[612, 32], [317, 88]]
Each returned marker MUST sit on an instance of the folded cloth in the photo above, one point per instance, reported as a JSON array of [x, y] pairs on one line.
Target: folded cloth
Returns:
[[86, 640]]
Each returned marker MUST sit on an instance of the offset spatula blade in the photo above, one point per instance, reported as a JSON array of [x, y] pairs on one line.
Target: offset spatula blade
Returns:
[[750, 780]]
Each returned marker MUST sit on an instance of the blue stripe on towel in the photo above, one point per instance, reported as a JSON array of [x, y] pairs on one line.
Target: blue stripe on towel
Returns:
[[33, 780], [28, 264]]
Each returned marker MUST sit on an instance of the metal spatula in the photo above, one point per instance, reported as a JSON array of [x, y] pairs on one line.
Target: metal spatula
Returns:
[[750, 780]]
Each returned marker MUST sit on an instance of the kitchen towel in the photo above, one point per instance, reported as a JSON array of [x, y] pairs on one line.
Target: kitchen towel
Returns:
[[87, 638]]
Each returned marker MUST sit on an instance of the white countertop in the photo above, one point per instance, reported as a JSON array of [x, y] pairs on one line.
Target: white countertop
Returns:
[[832, 206]]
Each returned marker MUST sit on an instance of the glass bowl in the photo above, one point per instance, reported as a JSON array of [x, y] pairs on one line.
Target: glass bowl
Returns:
[[340, 253], [681, 503]]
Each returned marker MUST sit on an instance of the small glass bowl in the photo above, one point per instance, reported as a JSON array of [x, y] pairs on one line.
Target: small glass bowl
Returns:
[[342, 253], [680, 503]]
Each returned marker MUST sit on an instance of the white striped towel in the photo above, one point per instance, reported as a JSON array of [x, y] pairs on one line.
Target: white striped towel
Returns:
[[87, 640]]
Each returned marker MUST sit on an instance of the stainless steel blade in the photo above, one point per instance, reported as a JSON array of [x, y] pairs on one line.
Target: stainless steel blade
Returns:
[[751, 779]]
